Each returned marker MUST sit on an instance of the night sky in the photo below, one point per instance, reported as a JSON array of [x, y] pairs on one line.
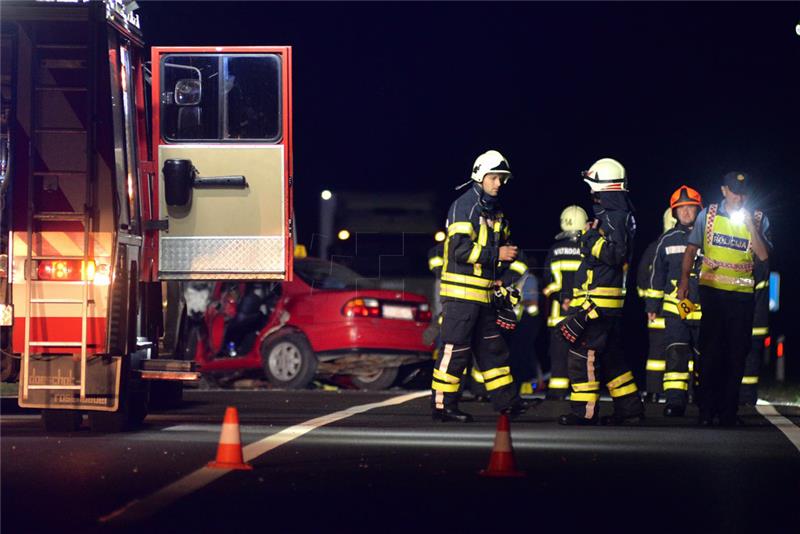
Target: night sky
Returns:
[[404, 96]]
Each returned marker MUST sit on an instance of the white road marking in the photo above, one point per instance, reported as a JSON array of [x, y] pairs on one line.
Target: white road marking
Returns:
[[139, 509], [784, 424]]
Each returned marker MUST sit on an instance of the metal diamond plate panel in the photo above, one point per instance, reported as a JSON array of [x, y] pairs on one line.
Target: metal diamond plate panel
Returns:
[[252, 257]]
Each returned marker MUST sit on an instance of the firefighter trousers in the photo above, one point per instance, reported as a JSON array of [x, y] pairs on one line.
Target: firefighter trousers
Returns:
[[558, 387], [748, 392], [680, 338], [469, 329], [725, 339], [654, 369], [597, 357]]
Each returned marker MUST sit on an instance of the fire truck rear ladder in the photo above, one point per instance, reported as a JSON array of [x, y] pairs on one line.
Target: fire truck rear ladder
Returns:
[[54, 216]]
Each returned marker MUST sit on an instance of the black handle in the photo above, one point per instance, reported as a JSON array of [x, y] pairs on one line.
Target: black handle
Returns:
[[220, 182]]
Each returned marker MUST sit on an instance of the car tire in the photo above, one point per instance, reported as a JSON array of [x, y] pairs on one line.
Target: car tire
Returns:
[[288, 360], [383, 378]]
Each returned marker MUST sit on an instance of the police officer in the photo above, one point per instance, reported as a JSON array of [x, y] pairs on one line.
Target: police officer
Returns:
[[593, 325], [748, 393], [560, 265], [682, 329], [732, 237], [654, 368], [476, 253]]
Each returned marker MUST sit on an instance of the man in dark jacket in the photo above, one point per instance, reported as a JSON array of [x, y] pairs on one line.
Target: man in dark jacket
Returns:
[[593, 326], [682, 325], [477, 252]]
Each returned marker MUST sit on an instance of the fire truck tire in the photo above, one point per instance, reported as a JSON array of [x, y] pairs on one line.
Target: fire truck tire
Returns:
[[289, 362], [380, 379], [61, 420], [9, 368]]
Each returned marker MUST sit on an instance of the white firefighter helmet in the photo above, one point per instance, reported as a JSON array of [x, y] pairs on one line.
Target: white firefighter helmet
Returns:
[[490, 161], [669, 220], [573, 219], [606, 174]]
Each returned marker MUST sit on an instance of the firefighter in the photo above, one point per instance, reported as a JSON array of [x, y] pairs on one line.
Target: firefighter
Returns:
[[732, 237], [562, 260], [654, 368], [682, 329], [748, 392], [522, 340], [593, 325], [477, 251]]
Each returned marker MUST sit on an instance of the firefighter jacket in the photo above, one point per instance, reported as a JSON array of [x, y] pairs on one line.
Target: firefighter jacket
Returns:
[[560, 265], [761, 312], [665, 274], [643, 281], [605, 253], [436, 259], [476, 229]]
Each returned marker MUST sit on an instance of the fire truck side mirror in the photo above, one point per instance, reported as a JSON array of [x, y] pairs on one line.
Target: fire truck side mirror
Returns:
[[179, 177], [188, 92]]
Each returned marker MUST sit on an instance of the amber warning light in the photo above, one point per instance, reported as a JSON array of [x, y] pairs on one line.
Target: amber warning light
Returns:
[[72, 271]]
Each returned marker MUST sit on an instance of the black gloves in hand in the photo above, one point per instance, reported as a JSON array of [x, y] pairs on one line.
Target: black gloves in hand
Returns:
[[573, 326], [504, 299]]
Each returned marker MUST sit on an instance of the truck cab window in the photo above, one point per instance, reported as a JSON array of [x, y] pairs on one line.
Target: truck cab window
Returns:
[[221, 97]]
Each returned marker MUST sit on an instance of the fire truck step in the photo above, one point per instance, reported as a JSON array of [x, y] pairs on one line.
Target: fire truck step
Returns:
[[59, 216], [53, 387], [57, 301], [56, 344]]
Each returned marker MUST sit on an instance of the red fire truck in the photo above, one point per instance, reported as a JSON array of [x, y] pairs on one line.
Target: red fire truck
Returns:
[[120, 177]]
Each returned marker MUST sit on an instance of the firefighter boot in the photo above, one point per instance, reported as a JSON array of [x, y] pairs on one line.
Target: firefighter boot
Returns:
[[451, 413], [620, 420], [673, 410]]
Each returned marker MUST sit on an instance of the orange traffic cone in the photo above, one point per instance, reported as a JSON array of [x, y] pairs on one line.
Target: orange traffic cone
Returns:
[[229, 452], [501, 462]]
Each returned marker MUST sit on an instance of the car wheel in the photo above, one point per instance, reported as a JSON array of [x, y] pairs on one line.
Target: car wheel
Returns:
[[381, 379], [289, 361]]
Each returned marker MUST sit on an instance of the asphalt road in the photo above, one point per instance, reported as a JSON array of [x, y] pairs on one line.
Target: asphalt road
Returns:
[[349, 461]]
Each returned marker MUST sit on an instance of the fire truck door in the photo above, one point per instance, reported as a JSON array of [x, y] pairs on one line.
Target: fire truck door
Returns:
[[222, 129]]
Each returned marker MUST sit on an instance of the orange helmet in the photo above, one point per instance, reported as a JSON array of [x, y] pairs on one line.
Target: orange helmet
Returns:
[[685, 196]]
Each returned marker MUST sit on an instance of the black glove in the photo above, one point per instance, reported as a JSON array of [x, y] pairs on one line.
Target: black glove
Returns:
[[504, 299], [573, 326]]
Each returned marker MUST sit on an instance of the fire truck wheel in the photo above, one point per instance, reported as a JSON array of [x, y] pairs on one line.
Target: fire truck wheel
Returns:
[[9, 369], [61, 420], [377, 380], [289, 361]]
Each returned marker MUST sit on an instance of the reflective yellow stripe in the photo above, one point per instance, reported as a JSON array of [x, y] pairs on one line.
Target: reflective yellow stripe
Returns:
[[467, 280], [626, 390], [447, 388], [656, 365], [762, 284], [621, 379], [496, 226], [465, 293], [676, 385], [477, 270], [518, 267], [654, 294], [483, 235], [597, 247], [600, 302], [566, 265], [760, 330], [676, 376], [499, 382], [497, 371], [691, 365], [598, 291], [749, 380], [525, 388], [476, 375], [436, 261], [558, 383], [586, 386], [461, 228], [476, 252], [584, 397], [641, 292], [658, 324], [444, 377]]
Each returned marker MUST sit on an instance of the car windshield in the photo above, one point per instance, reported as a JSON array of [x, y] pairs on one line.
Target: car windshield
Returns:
[[321, 274]]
